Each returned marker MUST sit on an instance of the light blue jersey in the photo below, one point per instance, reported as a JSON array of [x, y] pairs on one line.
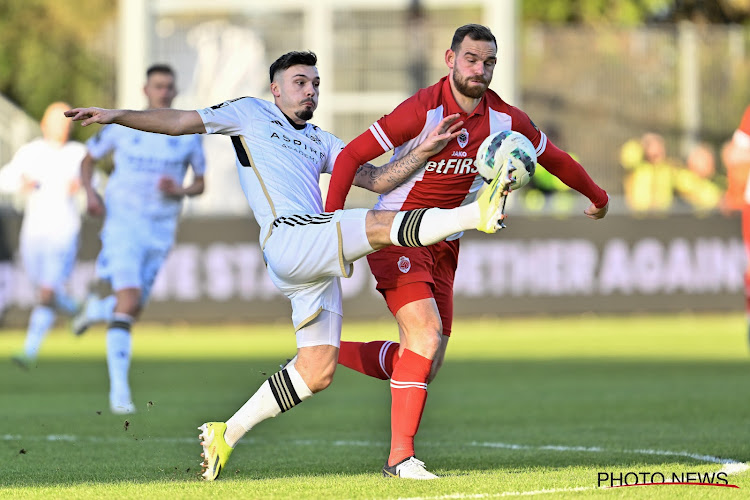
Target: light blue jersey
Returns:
[[140, 221], [141, 160]]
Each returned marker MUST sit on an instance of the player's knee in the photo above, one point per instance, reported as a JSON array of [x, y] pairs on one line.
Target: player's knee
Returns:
[[46, 297], [426, 338], [378, 227], [322, 379], [128, 302], [129, 308], [317, 365]]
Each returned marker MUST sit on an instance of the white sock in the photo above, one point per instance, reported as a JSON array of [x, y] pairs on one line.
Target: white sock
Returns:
[[104, 309], [65, 303], [427, 226], [118, 357], [40, 321], [353, 225], [276, 395]]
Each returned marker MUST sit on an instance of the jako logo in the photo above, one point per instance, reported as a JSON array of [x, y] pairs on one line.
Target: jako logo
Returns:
[[622, 479]]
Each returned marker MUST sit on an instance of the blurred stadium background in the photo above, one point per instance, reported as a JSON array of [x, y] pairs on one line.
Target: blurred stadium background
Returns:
[[595, 75]]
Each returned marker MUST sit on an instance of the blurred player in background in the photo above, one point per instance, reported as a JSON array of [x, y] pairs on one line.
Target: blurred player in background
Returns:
[[280, 157], [736, 156], [141, 210], [417, 283], [46, 170]]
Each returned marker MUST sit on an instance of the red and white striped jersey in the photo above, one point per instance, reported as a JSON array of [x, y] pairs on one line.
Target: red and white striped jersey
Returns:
[[449, 178]]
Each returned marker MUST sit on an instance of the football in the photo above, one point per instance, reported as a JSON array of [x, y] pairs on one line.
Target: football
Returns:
[[507, 148]]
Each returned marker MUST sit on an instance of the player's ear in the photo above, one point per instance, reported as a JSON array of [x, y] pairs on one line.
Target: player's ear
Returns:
[[275, 89], [450, 58]]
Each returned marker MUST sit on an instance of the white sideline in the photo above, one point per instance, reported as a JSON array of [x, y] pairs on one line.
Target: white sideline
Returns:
[[730, 466], [597, 449]]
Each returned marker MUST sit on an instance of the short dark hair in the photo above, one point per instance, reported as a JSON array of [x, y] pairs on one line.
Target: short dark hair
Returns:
[[159, 68], [475, 32], [292, 59]]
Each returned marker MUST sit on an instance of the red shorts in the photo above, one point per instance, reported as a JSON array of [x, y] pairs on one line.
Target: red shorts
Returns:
[[406, 274]]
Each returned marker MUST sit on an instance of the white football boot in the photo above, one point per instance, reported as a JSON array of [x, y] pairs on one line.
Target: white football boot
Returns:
[[408, 468]]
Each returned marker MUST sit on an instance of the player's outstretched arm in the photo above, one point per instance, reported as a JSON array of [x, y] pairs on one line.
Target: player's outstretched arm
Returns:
[[564, 167], [162, 121], [386, 177]]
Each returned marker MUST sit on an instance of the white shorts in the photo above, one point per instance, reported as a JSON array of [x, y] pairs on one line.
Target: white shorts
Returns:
[[132, 256], [48, 263], [305, 259]]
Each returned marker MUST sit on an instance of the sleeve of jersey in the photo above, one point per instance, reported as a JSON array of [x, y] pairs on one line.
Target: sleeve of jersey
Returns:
[[197, 157], [391, 131], [11, 174], [358, 152], [103, 142], [561, 165], [224, 118], [335, 147]]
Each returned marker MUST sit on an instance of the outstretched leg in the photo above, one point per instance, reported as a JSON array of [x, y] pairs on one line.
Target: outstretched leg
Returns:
[[311, 372], [426, 226]]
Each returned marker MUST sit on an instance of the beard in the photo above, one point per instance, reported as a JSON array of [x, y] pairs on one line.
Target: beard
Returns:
[[462, 85], [304, 114]]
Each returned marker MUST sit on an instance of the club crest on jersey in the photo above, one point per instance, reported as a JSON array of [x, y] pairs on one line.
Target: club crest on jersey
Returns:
[[404, 264], [463, 138], [315, 139]]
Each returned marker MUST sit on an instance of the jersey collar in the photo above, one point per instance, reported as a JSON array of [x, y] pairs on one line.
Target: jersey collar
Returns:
[[296, 126], [451, 106]]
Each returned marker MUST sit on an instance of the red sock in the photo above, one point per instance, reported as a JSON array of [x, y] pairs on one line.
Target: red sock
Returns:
[[408, 396], [375, 359]]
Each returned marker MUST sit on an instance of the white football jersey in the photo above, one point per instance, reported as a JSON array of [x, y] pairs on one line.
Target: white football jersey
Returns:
[[51, 210], [141, 159], [279, 165]]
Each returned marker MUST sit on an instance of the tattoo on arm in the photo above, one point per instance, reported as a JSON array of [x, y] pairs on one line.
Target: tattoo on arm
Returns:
[[390, 175]]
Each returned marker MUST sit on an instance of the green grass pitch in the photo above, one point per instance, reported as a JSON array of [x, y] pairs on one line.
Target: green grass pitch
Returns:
[[522, 407]]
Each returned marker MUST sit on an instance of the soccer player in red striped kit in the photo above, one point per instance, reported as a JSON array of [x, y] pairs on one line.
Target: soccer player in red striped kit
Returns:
[[417, 283]]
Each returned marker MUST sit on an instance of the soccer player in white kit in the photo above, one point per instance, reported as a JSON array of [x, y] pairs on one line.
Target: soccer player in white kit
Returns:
[[280, 157], [141, 208], [47, 170]]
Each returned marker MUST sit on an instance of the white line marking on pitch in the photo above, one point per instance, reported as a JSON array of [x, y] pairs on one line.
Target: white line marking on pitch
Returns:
[[731, 466], [597, 449]]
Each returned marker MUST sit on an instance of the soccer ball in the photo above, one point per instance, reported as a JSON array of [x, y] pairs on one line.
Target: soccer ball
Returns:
[[498, 148]]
